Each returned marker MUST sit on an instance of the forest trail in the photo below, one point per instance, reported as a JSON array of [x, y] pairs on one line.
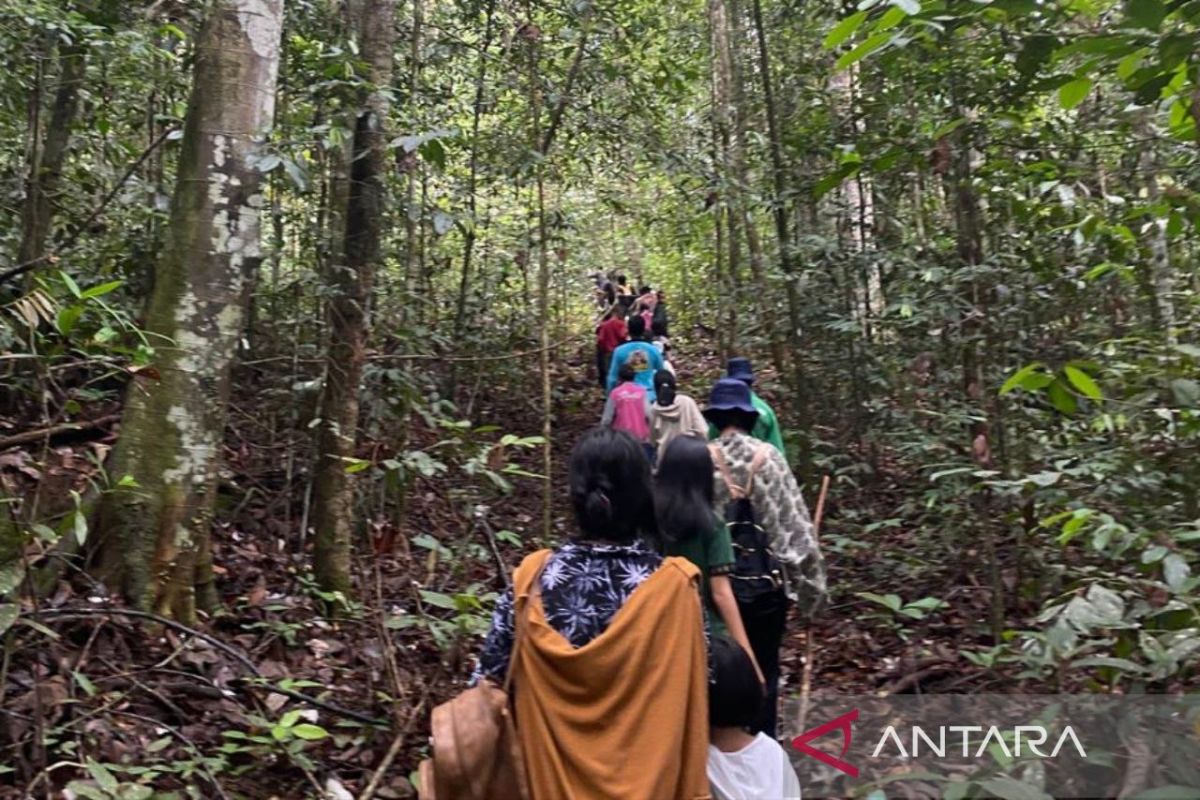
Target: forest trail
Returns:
[[423, 603]]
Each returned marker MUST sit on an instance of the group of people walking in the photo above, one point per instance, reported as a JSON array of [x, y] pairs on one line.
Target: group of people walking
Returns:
[[643, 652]]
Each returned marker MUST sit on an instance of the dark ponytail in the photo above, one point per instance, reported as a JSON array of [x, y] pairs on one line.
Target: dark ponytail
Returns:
[[609, 483]]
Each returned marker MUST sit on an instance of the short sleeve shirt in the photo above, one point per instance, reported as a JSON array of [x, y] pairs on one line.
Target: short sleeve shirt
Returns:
[[712, 552]]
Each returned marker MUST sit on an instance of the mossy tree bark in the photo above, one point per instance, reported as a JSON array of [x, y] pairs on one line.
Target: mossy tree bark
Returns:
[[353, 280], [155, 545]]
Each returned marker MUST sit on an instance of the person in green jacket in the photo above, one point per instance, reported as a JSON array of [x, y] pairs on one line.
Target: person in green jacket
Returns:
[[767, 427]]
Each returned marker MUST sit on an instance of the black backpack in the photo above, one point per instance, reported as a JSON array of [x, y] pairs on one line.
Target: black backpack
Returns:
[[757, 573]]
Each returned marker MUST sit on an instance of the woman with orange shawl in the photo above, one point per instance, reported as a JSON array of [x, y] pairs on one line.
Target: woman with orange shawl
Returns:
[[610, 678]]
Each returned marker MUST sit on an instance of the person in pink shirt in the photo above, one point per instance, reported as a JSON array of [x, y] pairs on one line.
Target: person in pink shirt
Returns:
[[628, 409]]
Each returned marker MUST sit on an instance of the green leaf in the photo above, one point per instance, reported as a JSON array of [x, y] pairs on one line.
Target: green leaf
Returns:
[[71, 285], [1123, 664], [81, 527], [1175, 571], [890, 19], [1148, 14], [1154, 553], [864, 49], [844, 30], [102, 776], [910, 7], [68, 318], [1186, 391], [8, 615], [290, 718], [1061, 398], [1074, 525], [1083, 383], [11, 575], [1034, 53], [1073, 93], [102, 289], [1021, 377], [85, 683], [439, 600], [891, 601], [310, 732]]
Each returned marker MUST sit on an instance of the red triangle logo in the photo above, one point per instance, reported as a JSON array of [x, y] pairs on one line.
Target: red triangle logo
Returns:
[[842, 723]]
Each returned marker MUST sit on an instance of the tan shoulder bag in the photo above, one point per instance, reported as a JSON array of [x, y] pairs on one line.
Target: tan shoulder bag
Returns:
[[476, 752]]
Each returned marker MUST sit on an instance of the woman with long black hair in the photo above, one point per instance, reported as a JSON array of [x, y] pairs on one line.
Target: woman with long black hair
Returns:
[[584, 631], [688, 527]]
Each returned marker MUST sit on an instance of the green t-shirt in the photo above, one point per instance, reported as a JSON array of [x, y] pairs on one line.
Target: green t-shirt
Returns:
[[713, 554]]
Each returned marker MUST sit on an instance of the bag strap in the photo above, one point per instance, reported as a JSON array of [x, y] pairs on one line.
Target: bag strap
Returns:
[[756, 463], [718, 456], [535, 590]]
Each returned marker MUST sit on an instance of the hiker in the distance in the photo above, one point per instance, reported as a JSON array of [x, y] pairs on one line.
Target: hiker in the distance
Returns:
[[660, 321], [673, 414], [610, 335], [640, 354], [767, 427], [778, 557], [609, 669], [624, 293], [628, 409]]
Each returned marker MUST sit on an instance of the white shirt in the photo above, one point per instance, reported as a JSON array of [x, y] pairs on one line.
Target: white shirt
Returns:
[[759, 771]]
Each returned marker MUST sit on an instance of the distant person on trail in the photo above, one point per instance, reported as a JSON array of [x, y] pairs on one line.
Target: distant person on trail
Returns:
[[610, 335], [644, 306], [778, 558], [628, 409], [742, 766], [767, 427], [605, 294], [673, 414], [660, 322], [604, 713], [688, 527], [624, 293], [644, 357]]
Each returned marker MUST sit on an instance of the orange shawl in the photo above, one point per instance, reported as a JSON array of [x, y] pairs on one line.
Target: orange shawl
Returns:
[[625, 716]]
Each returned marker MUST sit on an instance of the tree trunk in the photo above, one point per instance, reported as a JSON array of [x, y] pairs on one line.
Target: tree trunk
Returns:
[[460, 313], [859, 210], [779, 212], [353, 282], [1160, 282], [38, 212], [155, 526]]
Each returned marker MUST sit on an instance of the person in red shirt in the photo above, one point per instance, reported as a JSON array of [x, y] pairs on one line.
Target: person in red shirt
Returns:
[[610, 335]]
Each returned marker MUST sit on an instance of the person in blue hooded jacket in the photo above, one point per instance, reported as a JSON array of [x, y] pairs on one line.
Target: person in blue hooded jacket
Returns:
[[642, 356]]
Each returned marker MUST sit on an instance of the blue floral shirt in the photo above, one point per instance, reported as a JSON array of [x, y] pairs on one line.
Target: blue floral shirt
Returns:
[[584, 584]]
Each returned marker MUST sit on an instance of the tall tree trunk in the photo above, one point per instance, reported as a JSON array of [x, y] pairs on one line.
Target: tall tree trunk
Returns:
[[730, 108], [412, 210], [353, 282], [37, 214], [857, 201], [780, 214], [1159, 282], [469, 237], [155, 527]]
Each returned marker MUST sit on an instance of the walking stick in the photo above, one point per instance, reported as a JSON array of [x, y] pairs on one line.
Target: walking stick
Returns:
[[806, 681]]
